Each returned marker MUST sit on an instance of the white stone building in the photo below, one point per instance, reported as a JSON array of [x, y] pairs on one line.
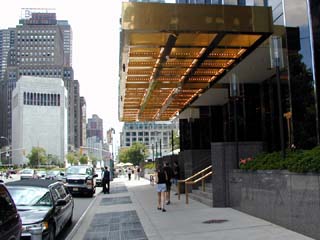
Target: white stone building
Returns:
[[39, 117]]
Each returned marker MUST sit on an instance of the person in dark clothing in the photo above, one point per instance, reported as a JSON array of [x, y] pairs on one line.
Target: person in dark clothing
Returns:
[[169, 174], [161, 187], [106, 181], [176, 174]]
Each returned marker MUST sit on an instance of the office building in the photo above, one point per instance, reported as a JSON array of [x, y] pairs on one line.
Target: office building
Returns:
[[95, 128], [39, 118], [83, 121], [41, 46], [152, 134]]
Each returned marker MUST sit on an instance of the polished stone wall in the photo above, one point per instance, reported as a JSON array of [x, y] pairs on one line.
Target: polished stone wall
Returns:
[[224, 159], [288, 199]]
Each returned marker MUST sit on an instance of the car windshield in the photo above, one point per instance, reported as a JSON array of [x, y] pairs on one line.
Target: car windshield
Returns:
[[27, 171], [53, 172], [78, 170], [30, 196]]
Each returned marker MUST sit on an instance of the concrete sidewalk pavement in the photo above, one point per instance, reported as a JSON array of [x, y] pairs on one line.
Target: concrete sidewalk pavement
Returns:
[[130, 212]]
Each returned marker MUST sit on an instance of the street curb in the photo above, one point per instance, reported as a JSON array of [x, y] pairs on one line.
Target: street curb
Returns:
[[76, 227]]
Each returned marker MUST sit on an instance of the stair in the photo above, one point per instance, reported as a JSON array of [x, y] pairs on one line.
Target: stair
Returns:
[[203, 197]]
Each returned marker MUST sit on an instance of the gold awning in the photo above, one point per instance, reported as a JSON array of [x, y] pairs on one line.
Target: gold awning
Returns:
[[171, 53]]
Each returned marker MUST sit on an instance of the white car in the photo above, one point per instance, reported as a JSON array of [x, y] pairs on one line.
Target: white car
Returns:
[[27, 174]]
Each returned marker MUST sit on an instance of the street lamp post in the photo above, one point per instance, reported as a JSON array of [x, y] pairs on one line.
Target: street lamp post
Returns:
[[276, 61], [8, 144], [234, 95]]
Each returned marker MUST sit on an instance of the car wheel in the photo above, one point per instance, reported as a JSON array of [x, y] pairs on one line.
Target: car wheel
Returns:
[[52, 233]]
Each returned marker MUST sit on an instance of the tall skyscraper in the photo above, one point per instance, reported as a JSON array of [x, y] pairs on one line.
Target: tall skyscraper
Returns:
[[95, 128], [83, 121], [40, 46]]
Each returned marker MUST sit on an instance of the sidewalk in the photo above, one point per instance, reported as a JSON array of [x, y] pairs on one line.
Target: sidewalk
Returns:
[[130, 212]]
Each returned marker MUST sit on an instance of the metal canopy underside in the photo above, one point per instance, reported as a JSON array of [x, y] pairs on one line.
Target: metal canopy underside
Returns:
[[171, 53]]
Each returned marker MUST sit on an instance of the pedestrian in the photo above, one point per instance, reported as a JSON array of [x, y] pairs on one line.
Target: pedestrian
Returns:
[[134, 173], [106, 180], [176, 174], [169, 174], [161, 187], [138, 172], [129, 173]]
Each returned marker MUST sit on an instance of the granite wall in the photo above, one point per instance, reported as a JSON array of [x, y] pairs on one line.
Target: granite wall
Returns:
[[288, 199]]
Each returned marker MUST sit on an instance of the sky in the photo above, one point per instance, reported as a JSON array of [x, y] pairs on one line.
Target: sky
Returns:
[[96, 27]]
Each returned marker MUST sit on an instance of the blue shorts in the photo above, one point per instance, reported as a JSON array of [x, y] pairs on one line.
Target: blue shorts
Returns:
[[161, 187]]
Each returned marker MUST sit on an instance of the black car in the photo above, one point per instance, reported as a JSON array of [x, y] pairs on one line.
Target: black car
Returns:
[[10, 222], [45, 207], [81, 179]]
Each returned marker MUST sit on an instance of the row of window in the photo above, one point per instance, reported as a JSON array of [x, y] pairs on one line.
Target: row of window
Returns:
[[46, 59], [37, 47], [147, 133], [27, 54], [141, 126], [41, 99], [146, 140], [35, 31]]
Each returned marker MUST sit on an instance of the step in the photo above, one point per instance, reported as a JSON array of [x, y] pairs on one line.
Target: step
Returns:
[[208, 187], [202, 194], [200, 198]]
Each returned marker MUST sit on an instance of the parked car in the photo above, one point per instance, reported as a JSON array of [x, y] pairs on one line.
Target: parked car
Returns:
[[10, 221], [27, 173], [55, 175], [41, 174], [81, 179], [45, 207]]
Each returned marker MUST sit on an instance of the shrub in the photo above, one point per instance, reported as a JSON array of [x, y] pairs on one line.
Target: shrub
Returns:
[[300, 161]]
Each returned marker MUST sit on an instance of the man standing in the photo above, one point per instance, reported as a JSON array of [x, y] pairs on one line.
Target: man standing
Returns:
[[106, 180]]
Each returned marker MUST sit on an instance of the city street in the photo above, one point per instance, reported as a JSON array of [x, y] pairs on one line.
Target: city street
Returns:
[[81, 204]]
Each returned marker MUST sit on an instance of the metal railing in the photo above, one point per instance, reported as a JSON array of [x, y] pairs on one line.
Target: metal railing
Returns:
[[197, 177]]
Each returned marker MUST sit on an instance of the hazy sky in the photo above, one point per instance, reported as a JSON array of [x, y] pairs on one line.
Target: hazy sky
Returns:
[[95, 25]]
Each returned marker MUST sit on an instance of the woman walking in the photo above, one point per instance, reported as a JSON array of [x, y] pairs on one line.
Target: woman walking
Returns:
[[161, 187]]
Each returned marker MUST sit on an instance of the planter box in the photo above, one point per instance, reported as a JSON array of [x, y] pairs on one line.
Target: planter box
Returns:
[[288, 199]]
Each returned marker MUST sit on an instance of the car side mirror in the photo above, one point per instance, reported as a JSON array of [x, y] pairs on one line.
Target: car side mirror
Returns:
[[61, 202], [61, 174], [96, 175]]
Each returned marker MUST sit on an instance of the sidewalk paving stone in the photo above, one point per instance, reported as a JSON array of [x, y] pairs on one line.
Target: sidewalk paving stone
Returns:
[[133, 214]]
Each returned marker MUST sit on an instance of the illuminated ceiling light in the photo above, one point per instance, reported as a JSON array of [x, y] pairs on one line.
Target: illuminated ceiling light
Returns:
[[241, 51], [201, 52]]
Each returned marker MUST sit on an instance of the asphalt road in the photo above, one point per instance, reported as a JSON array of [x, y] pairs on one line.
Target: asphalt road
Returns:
[[80, 206]]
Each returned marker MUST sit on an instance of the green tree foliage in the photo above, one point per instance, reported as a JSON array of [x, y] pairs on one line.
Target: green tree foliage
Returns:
[[176, 140], [303, 103], [94, 160], [53, 160], [72, 158], [37, 157], [83, 159], [135, 154]]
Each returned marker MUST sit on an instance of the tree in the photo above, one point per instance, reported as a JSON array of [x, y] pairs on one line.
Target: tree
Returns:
[[176, 140], [72, 158], [135, 154], [83, 159], [37, 157], [53, 160], [94, 160]]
